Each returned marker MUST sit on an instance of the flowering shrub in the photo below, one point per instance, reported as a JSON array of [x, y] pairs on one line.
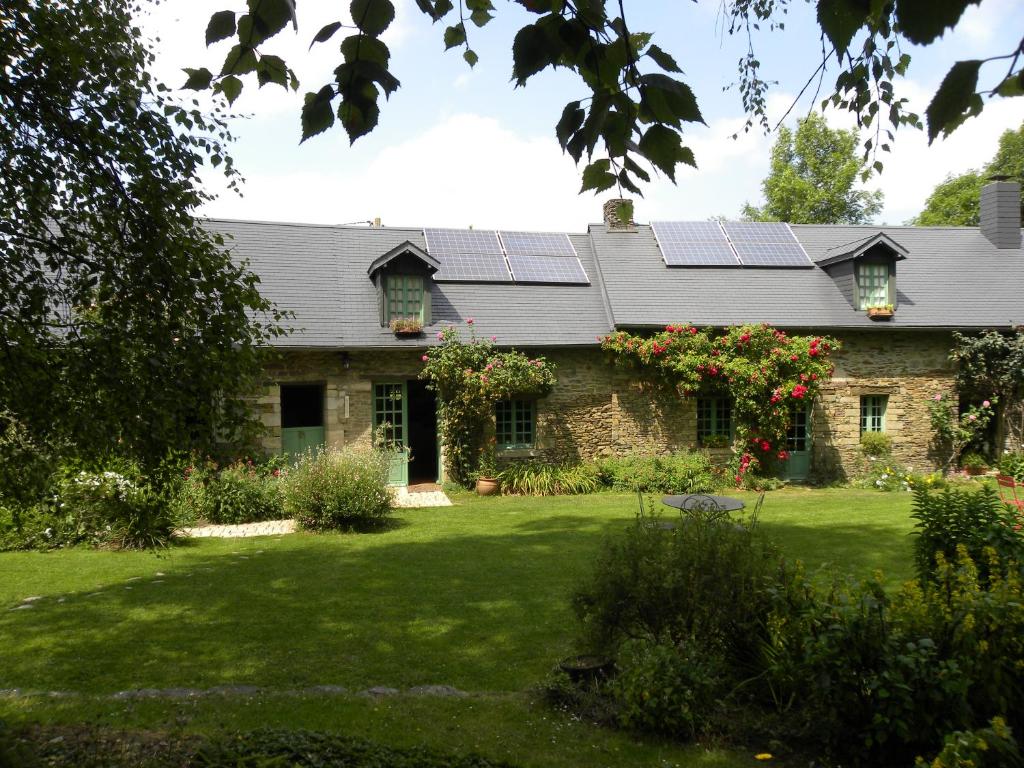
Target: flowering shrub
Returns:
[[763, 370], [469, 377], [338, 489], [952, 430], [245, 491]]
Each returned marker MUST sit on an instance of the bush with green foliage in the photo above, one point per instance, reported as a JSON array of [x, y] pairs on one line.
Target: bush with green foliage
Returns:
[[680, 472], [336, 489], [536, 479], [242, 494], [990, 747], [975, 519], [665, 688], [974, 462], [876, 444], [1012, 464]]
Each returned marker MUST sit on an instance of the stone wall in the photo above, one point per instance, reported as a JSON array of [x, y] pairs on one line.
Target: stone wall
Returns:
[[596, 409]]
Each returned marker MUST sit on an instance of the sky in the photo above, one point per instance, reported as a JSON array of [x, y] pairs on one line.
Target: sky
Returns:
[[460, 147]]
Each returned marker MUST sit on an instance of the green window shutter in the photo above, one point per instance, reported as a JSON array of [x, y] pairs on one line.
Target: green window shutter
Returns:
[[872, 413], [873, 284], [515, 423]]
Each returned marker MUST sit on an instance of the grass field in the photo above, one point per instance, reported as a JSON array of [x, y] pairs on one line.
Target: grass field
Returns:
[[475, 596]]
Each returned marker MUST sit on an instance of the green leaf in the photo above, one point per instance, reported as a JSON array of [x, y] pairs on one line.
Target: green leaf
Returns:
[[317, 114], [372, 16], [663, 148], [1012, 86], [358, 119], [530, 53], [363, 48], [231, 87], [922, 21], [326, 33], [272, 69], [454, 35], [471, 57], [662, 59], [570, 122], [840, 20], [239, 61], [198, 79], [598, 176], [480, 17], [221, 26], [955, 99], [669, 100]]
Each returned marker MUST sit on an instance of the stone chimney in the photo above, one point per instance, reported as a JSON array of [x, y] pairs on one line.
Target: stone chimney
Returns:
[[612, 218], [1000, 213]]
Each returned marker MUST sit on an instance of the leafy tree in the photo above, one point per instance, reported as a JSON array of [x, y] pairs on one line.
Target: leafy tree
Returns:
[[812, 178], [957, 200], [124, 324], [637, 108]]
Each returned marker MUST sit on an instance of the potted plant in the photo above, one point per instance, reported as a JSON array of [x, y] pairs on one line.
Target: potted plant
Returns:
[[974, 464], [881, 312], [406, 326], [487, 482]]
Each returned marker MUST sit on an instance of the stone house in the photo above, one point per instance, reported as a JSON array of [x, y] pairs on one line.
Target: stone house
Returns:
[[344, 370]]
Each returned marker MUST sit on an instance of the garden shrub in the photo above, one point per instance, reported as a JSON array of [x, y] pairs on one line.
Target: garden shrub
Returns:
[[241, 494], [1012, 464], [681, 472], [876, 444], [975, 519], [666, 689], [338, 489], [990, 747], [536, 479]]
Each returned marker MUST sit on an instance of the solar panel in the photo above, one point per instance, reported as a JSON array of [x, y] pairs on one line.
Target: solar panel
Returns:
[[766, 244], [469, 255], [694, 244], [537, 244], [547, 269]]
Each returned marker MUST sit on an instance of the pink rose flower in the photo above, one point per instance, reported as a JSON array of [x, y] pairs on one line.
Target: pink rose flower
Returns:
[[494, 338], [424, 358], [985, 404], [937, 398], [972, 417], [440, 335], [469, 321]]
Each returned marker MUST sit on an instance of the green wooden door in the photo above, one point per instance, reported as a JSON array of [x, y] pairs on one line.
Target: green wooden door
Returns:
[[798, 443], [296, 441], [391, 418]]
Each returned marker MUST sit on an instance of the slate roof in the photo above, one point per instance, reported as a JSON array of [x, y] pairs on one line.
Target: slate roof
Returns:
[[952, 277]]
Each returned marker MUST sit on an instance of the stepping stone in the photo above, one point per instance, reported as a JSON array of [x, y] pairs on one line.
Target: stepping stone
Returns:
[[234, 690], [161, 573], [437, 690], [23, 606], [157, 581], [32, 599], [330, 690], [380, 690], [61, 599]]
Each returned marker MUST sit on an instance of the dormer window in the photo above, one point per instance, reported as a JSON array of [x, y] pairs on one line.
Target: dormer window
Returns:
[[403, 277], [865, 271], [404, 297], [873, 284]]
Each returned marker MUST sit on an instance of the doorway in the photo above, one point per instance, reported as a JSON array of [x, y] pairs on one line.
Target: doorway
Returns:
[[302, 418], [798, 443], [423, 445]]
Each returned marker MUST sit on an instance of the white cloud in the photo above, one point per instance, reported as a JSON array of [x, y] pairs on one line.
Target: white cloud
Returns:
[[465, 170]]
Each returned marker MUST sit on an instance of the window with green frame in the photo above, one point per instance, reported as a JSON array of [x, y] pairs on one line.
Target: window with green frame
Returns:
[[714, 419], [873, 284], [403, 295], [515, 423], [872, 413]]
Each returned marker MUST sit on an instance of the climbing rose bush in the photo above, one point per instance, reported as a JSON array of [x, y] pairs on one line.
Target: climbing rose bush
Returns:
[[469, 377], [763, 370]]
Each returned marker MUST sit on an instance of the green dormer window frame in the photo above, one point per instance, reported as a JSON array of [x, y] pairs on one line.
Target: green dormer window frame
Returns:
[[714, 419], [515, 424], [403, 295], [875, 283]]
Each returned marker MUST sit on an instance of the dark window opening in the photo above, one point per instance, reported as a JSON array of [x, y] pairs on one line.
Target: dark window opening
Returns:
[[302, 405]]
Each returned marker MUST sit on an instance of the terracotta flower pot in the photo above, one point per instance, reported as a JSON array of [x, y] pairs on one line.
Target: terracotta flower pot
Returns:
[[975, 471], [879, 313], [487, 486]]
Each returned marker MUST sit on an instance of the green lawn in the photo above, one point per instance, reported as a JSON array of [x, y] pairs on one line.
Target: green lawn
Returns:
[[474, 596]]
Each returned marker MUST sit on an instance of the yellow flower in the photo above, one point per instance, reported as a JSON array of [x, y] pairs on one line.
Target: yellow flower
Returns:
[[763, 756]]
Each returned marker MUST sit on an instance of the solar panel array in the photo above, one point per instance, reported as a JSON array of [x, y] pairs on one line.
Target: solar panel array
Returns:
[[766, 244], [694, 244], [470, 255], [729, 244]]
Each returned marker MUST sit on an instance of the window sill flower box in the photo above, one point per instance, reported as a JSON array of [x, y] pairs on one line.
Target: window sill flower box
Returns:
[[881, 313], [406, 327]]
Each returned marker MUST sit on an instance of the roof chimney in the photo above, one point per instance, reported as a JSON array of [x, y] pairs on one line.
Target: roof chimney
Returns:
[[1000, 212], [618, 214]]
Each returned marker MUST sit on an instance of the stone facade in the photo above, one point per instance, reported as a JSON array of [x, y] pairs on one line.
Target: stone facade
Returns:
[[597, 409]]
